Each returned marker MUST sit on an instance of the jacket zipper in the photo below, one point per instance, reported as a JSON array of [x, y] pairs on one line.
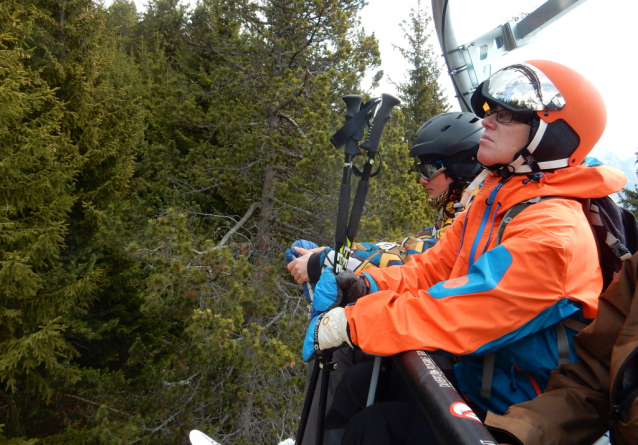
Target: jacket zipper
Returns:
[[621, 407], [486, 217]]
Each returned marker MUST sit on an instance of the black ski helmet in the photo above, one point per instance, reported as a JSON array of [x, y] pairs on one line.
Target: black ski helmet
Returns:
[[453, 139]]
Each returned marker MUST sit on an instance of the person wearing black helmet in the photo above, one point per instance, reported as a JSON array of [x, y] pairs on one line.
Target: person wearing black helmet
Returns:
[[499, 300], [446, 148]]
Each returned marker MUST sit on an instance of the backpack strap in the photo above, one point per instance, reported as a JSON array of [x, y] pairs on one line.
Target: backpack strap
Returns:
[[512, 212], [489, 359], [488, 373], [593, 216], [562, 342], [561, 336], [572, 324]]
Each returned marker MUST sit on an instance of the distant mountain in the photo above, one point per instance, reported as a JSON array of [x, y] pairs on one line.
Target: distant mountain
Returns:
[[624, 163]]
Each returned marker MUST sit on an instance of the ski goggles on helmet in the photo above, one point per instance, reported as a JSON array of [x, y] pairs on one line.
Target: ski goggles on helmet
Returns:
[[520, 88], [430, 169]]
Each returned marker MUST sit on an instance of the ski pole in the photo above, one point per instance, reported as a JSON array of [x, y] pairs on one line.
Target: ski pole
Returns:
[[371, 146], [349, 135], [307, 405], [450, 419], [353, 104], [357, 117], [327, 366], [374, 380]]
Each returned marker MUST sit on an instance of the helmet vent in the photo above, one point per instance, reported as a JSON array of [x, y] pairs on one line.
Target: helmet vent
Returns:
[[459, 116], [474, 119], [445, 128]]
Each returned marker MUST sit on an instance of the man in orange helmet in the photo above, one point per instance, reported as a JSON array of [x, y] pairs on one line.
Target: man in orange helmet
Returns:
[[497, 305]]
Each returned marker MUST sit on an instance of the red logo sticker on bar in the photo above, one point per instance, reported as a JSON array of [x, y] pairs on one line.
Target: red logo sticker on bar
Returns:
[[460, 409]]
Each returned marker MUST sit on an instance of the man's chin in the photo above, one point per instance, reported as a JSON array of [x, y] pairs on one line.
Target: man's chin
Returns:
[[485, 160]]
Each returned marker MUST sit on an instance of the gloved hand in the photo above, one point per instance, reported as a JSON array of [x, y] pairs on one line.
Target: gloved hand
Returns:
[[326, 331], [339, 291], [291, 254], [351, 288], [329, 295]]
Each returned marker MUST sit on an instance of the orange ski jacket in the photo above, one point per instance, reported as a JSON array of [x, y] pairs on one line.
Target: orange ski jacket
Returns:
[[468, 297]]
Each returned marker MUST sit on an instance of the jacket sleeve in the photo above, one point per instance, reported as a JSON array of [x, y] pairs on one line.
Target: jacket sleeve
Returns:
[[531, 281], [575, 407]]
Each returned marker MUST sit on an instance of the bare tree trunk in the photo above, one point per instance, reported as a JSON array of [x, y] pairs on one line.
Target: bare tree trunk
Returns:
[[265, 214], [245, 416]]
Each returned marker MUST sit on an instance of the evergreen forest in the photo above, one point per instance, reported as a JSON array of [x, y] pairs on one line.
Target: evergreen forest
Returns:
[[155, 167]]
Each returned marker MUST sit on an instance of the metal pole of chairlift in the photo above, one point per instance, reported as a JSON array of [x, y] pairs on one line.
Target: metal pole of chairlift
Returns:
[[470, 63], [450, 419]]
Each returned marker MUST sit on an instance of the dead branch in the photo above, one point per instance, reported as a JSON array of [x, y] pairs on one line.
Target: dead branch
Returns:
[[293, 122], [238, 226], [90, 402]]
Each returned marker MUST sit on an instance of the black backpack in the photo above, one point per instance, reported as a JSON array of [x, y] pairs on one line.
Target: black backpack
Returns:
[[614, 227], [616, 234]]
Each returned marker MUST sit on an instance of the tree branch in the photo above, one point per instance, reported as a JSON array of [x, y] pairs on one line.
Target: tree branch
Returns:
[[90, 402], [238, 226], [292, 121]]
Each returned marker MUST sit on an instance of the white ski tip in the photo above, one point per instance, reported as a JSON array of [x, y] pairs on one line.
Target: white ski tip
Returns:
[[199, 438], [287, 442]]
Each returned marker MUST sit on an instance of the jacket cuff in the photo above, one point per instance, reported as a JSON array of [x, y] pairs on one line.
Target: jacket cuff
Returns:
[[502, 436], [525, 427], [314, 267]]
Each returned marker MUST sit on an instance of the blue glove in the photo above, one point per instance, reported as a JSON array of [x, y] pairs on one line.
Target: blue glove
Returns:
[[291, 254], [308, 349], [326, 293]]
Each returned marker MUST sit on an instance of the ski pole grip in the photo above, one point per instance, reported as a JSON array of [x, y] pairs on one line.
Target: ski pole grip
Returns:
[[353, 104], [388, 102]]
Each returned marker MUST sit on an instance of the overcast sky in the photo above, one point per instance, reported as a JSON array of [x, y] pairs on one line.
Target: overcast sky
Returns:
[[598, 39]]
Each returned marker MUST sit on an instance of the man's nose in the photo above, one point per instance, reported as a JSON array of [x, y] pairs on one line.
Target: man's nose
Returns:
[[423, 181], [489, 121]]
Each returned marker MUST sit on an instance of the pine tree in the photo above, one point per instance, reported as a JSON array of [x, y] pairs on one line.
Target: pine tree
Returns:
[[397, 205], [629, 199], [166, 163], [39, 166], [242, 118], [421, 95], [77, 306]]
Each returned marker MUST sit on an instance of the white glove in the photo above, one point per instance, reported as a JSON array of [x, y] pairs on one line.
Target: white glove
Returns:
[[332, 329]]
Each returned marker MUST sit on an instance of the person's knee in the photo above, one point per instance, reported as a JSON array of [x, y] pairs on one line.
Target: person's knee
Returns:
[[367, 427]]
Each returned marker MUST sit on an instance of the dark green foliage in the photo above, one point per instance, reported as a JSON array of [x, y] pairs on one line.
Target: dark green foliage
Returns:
[[155, 167], [38, 166], [629, 199]]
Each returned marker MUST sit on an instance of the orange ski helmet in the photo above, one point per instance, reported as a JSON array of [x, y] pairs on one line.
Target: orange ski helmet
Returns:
[[567, 112]]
